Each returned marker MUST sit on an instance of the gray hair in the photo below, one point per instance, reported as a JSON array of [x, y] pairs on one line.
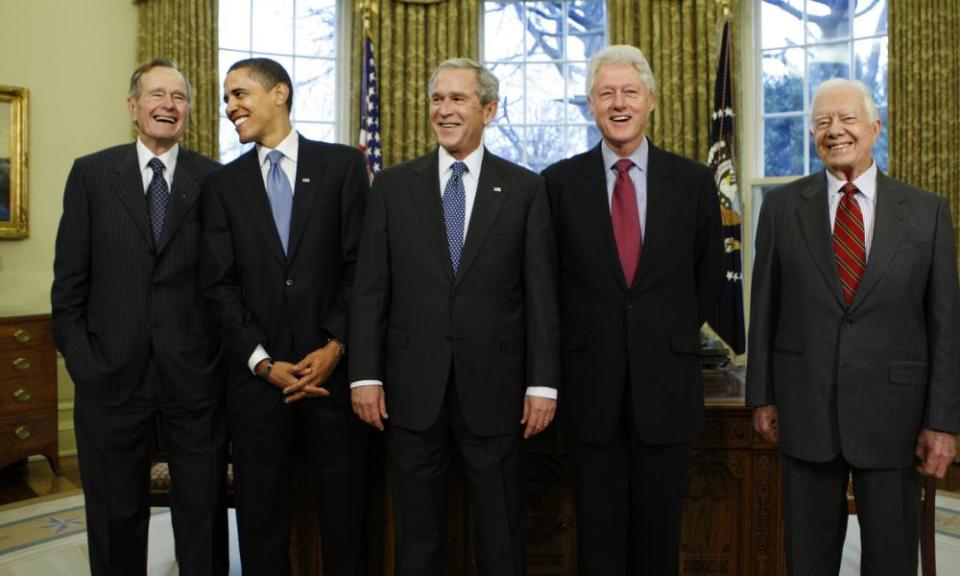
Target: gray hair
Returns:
[[488, 87], [621, 54], [134, 91], [841, 83]]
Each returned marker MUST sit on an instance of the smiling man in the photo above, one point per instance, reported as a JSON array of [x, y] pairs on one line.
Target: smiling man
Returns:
[[854, 325], [638, 234], [280, 234], [453, 332], [128, 318]]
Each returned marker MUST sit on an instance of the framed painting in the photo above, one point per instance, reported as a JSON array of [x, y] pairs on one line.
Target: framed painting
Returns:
[[13, 162]]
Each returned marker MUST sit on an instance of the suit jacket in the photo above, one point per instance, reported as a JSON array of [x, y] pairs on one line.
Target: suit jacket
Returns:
[[291, 304], [645, 336], [494, 323], [861, 380], [117, 298]]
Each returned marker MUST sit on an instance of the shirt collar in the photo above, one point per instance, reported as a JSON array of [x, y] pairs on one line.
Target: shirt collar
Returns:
[[145, 155], [473, 161], [640, 156], [866, 183], [289, 146]]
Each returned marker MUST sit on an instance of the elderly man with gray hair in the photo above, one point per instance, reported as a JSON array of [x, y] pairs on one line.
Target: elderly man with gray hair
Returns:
[[854, 325], [453, 329], [639, 241]]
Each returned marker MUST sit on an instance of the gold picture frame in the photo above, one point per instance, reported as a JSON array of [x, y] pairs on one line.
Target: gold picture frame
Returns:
[[13, 162]]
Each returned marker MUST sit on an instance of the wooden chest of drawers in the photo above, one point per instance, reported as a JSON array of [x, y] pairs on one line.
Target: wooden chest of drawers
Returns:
[[28, 390]]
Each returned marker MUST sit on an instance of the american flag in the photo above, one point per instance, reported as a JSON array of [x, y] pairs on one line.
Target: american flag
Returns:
[[370, 110], [722, 159]]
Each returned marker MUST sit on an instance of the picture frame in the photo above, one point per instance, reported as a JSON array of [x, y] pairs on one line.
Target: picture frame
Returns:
[[14, 107]]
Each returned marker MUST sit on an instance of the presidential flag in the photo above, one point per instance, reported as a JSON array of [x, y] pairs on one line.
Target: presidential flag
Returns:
[[721, 159], [370, 143]]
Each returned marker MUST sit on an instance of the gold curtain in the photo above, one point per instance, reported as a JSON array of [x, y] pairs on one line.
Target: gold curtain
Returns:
[[924, 96], [681, 40], [409, 39], [185, 31]]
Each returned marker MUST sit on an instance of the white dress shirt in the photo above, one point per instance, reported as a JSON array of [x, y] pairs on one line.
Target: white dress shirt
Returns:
[[169, 159], [866, 198]]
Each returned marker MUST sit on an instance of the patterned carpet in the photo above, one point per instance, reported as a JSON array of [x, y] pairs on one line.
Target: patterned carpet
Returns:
[[45, 537]]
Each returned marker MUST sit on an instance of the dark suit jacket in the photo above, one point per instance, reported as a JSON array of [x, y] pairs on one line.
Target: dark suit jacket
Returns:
[[118, 299], [290, 304], [862, 380], [495, 322], [647, 332]]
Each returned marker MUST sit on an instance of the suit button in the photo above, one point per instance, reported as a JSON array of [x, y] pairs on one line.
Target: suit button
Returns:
[[850, 321], [289, 282], [286, 329], [623, 349]]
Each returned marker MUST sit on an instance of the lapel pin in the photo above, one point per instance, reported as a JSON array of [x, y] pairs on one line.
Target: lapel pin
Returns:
[[497, 189], [305, 180]]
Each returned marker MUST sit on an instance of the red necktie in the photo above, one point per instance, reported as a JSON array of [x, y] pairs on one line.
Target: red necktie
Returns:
[[848, 242], [626, 220]]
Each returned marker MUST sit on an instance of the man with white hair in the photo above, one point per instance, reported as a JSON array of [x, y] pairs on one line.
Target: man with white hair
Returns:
[[854, 328], [639, 237]]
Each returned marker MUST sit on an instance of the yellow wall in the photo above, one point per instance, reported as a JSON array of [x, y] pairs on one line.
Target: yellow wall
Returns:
[[75, 58]]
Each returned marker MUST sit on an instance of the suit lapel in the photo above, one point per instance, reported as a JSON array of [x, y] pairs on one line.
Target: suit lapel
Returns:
[[660, 203], [183, 194], [253, 195], [311, 169], [129, 188], [492, 190], [425, 191], [813, 215], [888, 228], [592, 192]]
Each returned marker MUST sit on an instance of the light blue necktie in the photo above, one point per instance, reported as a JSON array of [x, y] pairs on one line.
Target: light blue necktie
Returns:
[[281, 197], [454, 212]]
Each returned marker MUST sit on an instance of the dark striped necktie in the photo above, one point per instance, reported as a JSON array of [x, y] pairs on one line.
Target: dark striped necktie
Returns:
[[848, 242]]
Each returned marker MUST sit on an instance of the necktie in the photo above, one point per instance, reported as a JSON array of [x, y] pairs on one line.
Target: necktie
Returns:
[[158, 196], [281, 197], [626, 220], [454, 210], [848, 242]]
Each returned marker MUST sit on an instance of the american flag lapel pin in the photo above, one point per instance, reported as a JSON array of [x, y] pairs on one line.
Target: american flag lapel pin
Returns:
[[305, 180], [497, 189]]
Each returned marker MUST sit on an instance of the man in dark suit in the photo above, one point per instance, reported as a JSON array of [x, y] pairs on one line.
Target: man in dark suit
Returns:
[[128, 318], [453, 328], [280, 238], [638, 231], [854, 327]]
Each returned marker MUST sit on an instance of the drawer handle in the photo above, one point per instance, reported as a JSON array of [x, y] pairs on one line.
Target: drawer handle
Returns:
[[22, 432], [22, 363], [22, 395], [21, 336]]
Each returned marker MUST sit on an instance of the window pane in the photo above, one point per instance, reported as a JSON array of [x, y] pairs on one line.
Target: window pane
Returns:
[[783, 80], [544, 93], [783, 146], [828, 20], [273, 26], [316, 28], [544, 30], [316, 130], [505, 141], [782, 25], [871, 67], [230, 146], [577, 110], [503, 31], [826, 62], [312, 96], [880, 149], [235, 24], [544, 146], [587, 29], [872, 21], [511, 92], [815, 164], [581, 138]]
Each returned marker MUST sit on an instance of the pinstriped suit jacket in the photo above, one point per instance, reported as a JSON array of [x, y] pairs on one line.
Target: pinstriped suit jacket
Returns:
[[863, 380], [117, 298]]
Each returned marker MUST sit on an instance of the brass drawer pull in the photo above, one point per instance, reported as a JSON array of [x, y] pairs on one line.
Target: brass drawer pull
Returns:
[[22, 363], [22, 395], [22, 432], [21, 336]]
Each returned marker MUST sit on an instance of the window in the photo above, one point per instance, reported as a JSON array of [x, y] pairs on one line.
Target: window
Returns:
[[802, 43], [539, 52], [302, 35]]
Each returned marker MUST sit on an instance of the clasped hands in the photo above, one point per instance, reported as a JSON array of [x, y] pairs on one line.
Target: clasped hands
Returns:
[[306, 377]]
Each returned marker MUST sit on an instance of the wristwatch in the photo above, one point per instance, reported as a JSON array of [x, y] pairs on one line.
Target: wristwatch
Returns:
[[267, 370]]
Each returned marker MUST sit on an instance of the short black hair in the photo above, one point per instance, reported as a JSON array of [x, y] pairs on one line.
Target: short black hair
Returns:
[[268, 72]]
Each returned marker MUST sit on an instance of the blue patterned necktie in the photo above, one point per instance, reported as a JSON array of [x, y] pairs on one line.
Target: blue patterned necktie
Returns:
[[158, 196], [454, 212], [281, 197]]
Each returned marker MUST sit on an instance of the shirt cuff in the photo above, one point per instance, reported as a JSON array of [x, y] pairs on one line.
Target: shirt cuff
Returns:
[[360, 383], [258, 354], [542, 392]]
